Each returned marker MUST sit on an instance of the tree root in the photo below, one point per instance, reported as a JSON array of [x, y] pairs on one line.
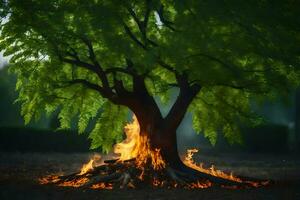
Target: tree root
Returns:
[[175, 176]]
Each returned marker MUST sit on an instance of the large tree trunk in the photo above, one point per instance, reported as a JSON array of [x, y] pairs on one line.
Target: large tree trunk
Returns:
[[161, 135], [161, 131], [165, 141]]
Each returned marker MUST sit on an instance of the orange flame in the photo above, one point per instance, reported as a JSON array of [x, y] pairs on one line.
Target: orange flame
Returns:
[[54, 179], [200, 185], [107, 186], [49, 179], [188, 160], [157, 183], [87, 167], [137, 146], [74, 183], [90, 165]]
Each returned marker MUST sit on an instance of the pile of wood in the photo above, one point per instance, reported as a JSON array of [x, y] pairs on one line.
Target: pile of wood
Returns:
[[116, 174]]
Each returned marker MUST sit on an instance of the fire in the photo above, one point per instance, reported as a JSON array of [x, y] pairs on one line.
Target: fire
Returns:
[[136, 150], [134, 146], [54, 179], [188, 160], [157, 183], [87, 167], [137, 146], [108, 186], [49, 179], [94, 161], [74, 183], [201, 185]]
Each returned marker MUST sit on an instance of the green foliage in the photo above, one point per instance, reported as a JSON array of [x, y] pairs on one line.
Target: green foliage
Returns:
[[222, 109], [235, 50], [157, 84], [109, 127]]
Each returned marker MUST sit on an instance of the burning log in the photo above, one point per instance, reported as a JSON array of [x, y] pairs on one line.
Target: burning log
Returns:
[[126, 175]]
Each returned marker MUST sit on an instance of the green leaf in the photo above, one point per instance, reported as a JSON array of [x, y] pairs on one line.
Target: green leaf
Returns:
[[109, 127]]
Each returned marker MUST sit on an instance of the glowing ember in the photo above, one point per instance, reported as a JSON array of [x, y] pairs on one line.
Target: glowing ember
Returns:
[[157, 183], [137, 146], [141, 176], [200, 185], [49, 179], [54, 179], [74, 183], [188, 160], [100, 186]]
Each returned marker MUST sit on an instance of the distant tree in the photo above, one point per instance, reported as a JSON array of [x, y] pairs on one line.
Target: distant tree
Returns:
[[87, 57]]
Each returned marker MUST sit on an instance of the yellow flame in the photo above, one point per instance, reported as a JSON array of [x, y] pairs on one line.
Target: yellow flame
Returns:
[[129, 148], [90, 165], [137, 146], [87, 167], [188, 160]]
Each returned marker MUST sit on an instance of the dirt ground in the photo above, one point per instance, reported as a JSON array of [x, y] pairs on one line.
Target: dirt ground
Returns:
[[19, 174]]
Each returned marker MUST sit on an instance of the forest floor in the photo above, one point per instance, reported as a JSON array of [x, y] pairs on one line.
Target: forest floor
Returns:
[[19, 173]]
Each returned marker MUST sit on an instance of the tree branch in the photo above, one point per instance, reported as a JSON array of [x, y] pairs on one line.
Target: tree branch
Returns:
[[79, 63], [97, 65], [119, 69], [147, 13], [181, 78], [136, 19], [166, 66], [87, 84], [132, 36], [142, 26], [186, 95], [215, 59], [165, 22], [188, 92], [106, 93]]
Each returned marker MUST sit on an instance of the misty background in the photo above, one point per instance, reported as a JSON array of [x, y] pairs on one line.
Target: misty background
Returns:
[[279, 134]]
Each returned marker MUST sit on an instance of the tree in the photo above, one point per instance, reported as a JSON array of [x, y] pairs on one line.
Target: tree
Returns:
[[112, 57]]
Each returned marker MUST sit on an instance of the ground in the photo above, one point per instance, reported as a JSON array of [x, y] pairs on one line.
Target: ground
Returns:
[[19, 173]]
